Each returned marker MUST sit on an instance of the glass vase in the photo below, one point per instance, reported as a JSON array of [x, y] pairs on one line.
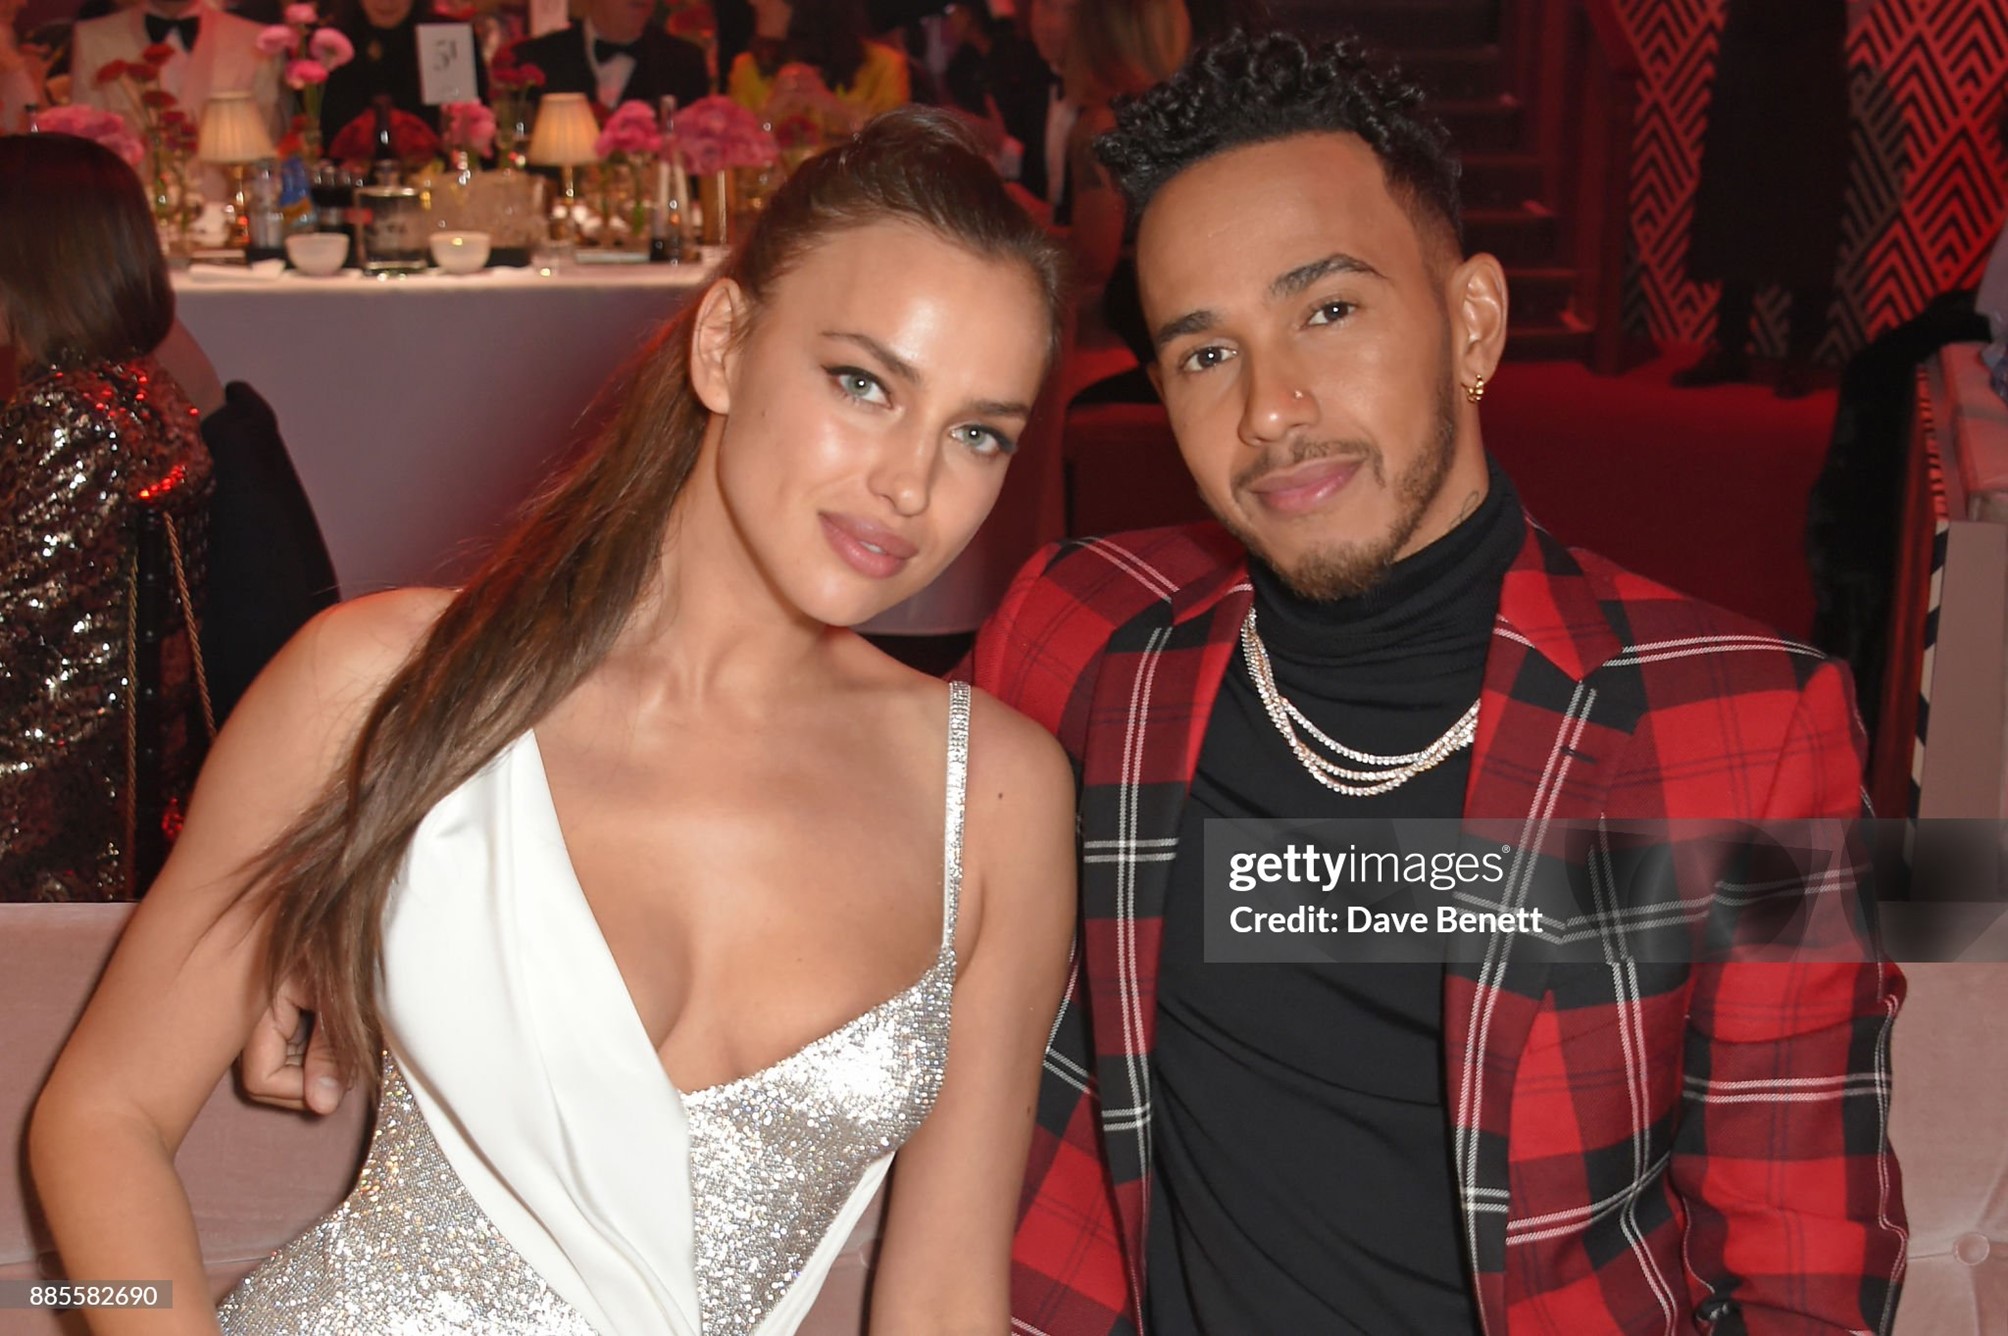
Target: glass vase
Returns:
[[716, 193]]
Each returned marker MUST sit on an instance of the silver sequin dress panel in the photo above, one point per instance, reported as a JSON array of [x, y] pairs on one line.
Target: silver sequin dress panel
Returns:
[[776, 1155], [77, 445], [409, 1253]]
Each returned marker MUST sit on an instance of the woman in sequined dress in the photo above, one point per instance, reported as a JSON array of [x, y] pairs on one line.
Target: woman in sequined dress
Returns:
[[94, 430], [673, 907]]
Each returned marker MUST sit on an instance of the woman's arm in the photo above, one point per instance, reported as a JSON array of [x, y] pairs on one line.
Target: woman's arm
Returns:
[[944, 1261], [187, 980]]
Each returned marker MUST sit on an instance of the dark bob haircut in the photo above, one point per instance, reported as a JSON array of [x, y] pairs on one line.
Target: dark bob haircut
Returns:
[[82, 278], [1247, 89]]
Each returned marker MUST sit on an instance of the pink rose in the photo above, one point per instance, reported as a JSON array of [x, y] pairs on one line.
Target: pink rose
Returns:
[[631, 129], [100, 127], [331, 47], [704, 158], [715, 133], [277, 40], [301, 73], [306, 16], [752, 147], [470, 125]]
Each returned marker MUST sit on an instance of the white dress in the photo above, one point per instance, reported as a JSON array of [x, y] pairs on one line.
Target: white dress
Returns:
[[534, 1171]]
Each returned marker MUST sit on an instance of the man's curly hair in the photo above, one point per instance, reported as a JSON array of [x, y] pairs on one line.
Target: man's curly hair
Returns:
[[1249, 89]]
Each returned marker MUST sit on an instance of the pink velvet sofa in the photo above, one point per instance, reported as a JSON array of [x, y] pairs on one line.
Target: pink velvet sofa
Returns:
[[256, 1176]]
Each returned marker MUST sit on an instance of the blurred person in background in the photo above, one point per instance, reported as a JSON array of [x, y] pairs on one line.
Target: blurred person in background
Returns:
[[94, 430], [1117, 48], [1774, 171], [814, 58], [613, 54], [385, 36], [210, 51], [21, 73]]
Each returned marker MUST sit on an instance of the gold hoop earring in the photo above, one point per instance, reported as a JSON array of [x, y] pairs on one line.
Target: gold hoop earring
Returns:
[[1476, 390]]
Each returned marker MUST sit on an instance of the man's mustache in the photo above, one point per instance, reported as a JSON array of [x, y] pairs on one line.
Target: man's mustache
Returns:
[[1366, 452]]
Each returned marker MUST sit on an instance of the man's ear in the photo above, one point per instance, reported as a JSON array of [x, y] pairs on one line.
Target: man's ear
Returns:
[[1476, 292], [714, 347]]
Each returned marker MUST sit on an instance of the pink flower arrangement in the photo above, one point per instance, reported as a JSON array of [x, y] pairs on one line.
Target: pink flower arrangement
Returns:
[[331, 47], [309, 57], [715, 134], [631, 131], [471, 126], [100, 127]]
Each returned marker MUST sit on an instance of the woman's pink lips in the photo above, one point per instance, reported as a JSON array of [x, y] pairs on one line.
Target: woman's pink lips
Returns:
[[1304, 486], [850, 535]]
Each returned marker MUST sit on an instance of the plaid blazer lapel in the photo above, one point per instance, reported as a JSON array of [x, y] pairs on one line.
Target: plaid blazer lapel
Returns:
[[1545, 735], [1152, 699]]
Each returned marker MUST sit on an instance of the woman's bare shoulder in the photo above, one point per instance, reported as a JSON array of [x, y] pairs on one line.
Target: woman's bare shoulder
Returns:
[[333, 669], [1011, 747], [1021, 784]]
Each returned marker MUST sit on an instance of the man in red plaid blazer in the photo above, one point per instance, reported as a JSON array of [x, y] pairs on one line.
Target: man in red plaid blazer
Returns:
[[1624, 1149]]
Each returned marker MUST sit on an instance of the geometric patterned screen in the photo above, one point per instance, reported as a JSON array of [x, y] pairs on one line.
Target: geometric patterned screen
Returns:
[[1927, 173]]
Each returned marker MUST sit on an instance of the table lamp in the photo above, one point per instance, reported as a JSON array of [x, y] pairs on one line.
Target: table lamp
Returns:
[[564, 137], [233, 135]]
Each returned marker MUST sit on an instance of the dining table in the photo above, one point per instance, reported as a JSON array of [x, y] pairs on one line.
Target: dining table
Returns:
[[422, 411]]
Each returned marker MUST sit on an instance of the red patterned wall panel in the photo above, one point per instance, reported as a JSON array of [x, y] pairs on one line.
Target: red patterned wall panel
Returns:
[[1926, 179]]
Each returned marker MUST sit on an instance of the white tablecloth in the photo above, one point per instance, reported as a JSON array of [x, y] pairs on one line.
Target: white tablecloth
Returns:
[[420, 412]]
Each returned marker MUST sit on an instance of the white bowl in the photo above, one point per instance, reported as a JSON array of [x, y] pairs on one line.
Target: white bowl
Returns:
[[460, 252], [318, 253]]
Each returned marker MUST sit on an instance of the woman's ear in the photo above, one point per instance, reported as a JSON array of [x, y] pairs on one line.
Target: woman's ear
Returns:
[[714, 346]]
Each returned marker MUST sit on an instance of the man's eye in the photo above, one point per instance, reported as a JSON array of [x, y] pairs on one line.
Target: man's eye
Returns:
[[860, 385], [1205, 359], [1331, 313]]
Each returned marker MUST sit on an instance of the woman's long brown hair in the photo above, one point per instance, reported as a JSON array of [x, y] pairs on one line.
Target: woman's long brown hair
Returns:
[[547, 607]]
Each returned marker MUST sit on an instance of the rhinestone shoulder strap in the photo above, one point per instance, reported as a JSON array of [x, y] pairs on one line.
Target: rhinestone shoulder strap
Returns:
[[958, 784]]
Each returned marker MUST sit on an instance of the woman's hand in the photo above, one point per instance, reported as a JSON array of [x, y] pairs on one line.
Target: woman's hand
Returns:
[[287, 1062]]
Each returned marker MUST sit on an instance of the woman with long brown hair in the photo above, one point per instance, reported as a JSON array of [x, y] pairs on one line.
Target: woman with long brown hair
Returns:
[[95, 434], [651, 883]]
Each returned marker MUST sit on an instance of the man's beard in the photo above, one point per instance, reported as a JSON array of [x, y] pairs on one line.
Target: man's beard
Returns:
[[1347, 569]]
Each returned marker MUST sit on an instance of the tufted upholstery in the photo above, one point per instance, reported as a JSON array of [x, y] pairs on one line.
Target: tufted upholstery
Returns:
[[1949, 1123]]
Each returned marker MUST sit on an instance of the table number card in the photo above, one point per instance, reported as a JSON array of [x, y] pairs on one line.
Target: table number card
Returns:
[[446, 63]]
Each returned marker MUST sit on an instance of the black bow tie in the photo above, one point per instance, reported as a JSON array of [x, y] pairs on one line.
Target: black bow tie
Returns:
[[604, 51], [157, 29]]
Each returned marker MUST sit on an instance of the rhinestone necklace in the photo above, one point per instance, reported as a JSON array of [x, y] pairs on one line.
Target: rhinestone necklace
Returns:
[[1385, 773]]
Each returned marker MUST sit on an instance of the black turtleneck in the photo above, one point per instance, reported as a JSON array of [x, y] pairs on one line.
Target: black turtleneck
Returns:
[[1302, 1174]]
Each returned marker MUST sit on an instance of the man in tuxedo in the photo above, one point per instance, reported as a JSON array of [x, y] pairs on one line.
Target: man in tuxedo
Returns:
[[615, 55], [214, 52]]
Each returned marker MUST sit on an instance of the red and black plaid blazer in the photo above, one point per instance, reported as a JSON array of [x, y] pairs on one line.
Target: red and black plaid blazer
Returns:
[[1637, 1149]]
